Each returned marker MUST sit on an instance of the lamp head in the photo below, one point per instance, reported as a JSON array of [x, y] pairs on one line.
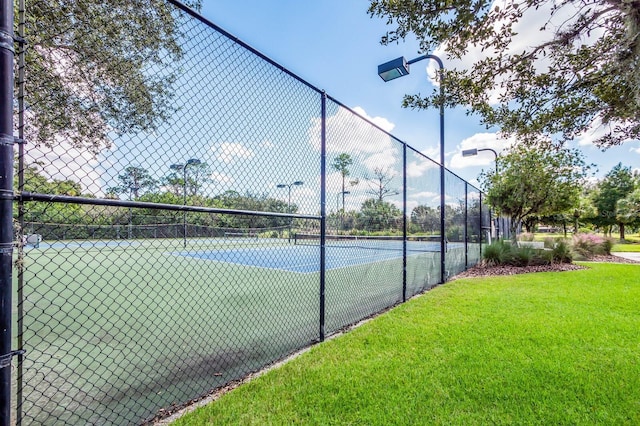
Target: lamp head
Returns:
[[281, 185], [393, 69], [176, 166], [470, 152], [298, 183], [193, 162]]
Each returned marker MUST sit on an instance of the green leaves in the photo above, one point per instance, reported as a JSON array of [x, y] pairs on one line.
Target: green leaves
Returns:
[[87, 68], [536, 182], [583, 74]]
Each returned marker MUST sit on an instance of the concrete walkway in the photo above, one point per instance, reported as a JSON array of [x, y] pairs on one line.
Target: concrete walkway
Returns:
[[628, 255]]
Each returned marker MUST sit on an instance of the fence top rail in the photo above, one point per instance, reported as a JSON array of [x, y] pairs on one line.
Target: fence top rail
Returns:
[[53, 198]]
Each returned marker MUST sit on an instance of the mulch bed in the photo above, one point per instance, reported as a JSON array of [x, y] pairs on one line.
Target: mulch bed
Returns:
[[487, 271]]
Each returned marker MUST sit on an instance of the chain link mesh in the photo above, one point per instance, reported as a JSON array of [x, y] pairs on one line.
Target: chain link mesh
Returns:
[[173, 261]]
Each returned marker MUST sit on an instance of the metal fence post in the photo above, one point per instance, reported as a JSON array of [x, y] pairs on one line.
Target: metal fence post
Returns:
[[443, 247], [6, 204], [404, 222], [21, 207], [323, 209], [466, 225], [481, 230]]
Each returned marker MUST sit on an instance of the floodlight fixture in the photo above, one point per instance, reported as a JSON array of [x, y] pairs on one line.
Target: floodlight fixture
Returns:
[[399, 67]]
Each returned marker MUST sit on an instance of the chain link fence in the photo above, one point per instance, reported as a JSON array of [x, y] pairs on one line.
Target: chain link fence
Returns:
[[259, 216]]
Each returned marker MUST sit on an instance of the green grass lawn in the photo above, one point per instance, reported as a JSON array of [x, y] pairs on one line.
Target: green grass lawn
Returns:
[[626, 248], [550, 348], [631, 244]]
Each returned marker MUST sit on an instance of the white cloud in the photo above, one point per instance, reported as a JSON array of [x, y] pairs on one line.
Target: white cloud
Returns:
[[636, 150], [425, 194], [418, 167], [267, 144], [347, 132], [479, 141], [228, 152], [64, 162], [425, 198], [222, 178], [595, 131], [383, 161], [381, 122]]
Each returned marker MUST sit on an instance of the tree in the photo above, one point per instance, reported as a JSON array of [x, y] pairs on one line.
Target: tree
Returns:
[[380, 184], [88, 65], [134, 181], [198, 175], [585, 209], [615, 186], [341, 164], [379, 216], [581, 72], [35, 181], [535, 182], [628, 209], [426, 218]]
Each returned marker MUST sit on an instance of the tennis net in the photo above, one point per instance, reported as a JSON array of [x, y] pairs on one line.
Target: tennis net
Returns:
[[419, 243]]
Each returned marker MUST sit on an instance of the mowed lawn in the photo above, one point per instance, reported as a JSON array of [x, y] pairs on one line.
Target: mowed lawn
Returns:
[[547, 348]]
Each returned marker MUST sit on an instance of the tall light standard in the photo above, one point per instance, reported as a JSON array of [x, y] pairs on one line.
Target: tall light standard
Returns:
[[399, 67], [475, 151], [338, 223], [290, 185], [183, 167]]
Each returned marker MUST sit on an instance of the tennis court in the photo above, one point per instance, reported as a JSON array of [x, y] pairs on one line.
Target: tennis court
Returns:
[[109, 323], [304, 255]]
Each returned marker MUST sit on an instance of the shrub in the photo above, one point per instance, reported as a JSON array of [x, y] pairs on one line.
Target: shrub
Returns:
[[542, 257], [549, 242], [521, 256], [607, 245], [562, 252], [496, 253], [588, 245]]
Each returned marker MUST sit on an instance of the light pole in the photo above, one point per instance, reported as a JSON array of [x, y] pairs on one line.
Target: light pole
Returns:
[[338, 223], [290, 185], [399, 67], [183, 167], [475, 151]]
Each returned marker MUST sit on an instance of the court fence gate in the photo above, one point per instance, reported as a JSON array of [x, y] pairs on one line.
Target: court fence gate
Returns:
[[169, 229]]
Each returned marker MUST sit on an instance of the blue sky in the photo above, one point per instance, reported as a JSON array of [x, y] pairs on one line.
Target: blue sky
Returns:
[[334, 45]]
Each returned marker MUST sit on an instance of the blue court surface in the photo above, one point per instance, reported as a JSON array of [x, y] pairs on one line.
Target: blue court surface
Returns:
[[301, 259]]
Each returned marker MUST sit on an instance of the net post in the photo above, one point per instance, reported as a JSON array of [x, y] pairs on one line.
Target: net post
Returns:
[[323, 209], [6, 204]]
